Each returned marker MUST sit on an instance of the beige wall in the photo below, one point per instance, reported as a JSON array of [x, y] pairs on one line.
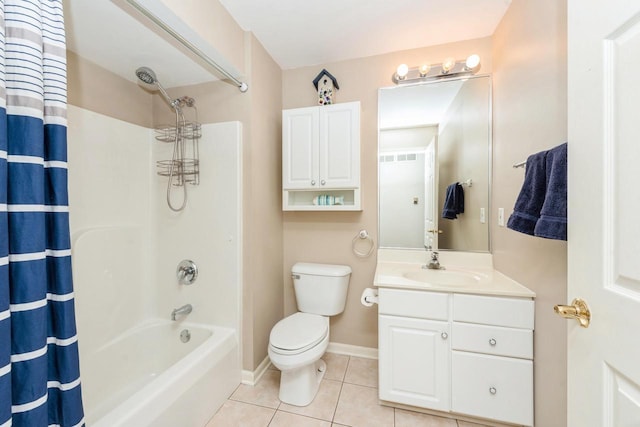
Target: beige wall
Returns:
[[96, 89], [263, 202], [530, 115], [213, 23], [462, 155], [326, 237]]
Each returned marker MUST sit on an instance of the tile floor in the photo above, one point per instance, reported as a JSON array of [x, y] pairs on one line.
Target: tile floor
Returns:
[[348, 396]]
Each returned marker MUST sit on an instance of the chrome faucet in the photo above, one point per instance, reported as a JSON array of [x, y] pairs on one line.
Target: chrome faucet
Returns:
[[434, 263], [184, 310]]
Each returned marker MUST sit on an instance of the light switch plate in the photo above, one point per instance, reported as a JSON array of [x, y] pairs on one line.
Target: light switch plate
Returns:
[[501, 217], [483, 218]]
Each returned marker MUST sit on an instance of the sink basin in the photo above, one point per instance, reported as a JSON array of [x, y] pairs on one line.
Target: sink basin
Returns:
[[445, 277]]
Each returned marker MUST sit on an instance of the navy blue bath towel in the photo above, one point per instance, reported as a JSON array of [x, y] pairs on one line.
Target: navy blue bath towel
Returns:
[[529, 203], [541, 207], [553, 215], [453, 201]]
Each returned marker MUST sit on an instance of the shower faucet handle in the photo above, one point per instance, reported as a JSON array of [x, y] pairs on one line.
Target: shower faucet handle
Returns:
[[187, 272]]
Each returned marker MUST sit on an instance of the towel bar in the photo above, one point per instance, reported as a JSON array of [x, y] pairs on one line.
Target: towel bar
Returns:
[[520, 164]]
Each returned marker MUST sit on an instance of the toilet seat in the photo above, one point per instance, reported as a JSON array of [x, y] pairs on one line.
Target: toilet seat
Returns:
[[298, 333]]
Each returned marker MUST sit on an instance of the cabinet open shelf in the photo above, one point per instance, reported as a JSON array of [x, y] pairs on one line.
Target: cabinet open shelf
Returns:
[[302, 200]]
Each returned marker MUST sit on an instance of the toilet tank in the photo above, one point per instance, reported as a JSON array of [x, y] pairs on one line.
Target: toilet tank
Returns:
[[321, 288]]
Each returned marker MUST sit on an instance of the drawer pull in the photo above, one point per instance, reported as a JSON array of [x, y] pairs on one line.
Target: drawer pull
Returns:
[[492, 390], [444, 335], [492, 342]]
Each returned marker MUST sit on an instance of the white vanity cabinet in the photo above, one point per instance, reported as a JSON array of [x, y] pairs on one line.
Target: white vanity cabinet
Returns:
[[321, 156], [460, 353], [492, 358], [413, 355]]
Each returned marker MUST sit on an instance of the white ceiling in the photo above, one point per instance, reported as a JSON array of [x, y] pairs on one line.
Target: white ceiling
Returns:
[[415, 105], [296, 33], [299, 33]]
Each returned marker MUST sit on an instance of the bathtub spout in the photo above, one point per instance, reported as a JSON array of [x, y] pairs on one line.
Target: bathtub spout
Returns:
[[184, 310]]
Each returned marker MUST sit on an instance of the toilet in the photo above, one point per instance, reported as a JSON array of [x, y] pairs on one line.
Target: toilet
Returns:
[[297, 342]]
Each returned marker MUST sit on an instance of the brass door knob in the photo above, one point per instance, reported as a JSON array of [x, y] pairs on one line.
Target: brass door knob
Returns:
[[434, 231], [578, 310]]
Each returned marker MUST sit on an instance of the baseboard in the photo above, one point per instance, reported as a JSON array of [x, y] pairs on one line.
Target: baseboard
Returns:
[[252, 378], [353, 350]]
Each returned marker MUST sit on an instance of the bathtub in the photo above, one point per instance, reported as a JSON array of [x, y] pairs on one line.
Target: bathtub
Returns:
[[148, 377]]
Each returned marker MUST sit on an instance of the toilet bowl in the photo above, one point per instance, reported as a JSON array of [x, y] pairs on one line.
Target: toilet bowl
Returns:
[[297, 342], [296, 345]]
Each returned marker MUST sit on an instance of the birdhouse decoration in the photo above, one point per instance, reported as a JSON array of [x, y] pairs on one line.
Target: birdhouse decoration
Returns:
[[325, 84]]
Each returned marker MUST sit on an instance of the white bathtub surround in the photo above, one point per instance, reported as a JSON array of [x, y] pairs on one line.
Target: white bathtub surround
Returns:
[[126, 247]]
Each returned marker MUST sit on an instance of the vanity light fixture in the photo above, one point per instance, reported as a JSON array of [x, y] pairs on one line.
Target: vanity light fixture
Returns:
[[424, 70], [402, 71], [450, 67], [448, 64]]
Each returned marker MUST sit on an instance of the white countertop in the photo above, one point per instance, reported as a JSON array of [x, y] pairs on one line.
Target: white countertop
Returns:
[[475, 271]]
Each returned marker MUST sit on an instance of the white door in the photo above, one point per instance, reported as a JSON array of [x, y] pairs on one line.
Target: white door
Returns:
[[604, 212], [401, 199], [431, 196]]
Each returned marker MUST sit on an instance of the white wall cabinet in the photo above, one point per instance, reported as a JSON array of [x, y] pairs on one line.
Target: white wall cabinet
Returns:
[[459, 353], [321, 156]]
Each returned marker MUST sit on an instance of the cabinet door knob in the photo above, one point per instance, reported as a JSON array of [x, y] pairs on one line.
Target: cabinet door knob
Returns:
[[313, 182], [492, 342], [492, 390], [323, 182], [444, 335]]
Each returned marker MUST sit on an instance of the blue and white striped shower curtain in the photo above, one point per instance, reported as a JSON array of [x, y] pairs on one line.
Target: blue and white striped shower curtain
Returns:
[[39, 369]]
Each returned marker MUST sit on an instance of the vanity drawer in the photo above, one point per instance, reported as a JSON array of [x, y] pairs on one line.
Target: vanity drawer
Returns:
[[418, 304], [492, 387], [492, 340], [509, 312]]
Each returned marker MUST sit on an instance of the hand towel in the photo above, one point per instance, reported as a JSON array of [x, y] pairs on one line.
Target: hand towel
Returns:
[[553, 215], [532, 194], [453, 201]]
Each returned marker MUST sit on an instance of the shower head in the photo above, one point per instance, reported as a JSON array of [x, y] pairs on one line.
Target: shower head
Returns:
[[146, 75]]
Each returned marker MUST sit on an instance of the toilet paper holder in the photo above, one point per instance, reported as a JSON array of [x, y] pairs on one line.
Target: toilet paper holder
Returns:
[[369, 297]]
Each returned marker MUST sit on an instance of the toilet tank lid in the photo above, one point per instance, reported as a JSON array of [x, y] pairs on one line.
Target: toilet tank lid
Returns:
[[321, 269]]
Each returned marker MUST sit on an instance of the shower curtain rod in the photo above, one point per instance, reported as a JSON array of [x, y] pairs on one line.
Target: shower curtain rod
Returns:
[[241, 85]]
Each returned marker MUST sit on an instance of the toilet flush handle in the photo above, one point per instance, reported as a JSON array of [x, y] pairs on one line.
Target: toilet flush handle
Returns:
[[295, 276]]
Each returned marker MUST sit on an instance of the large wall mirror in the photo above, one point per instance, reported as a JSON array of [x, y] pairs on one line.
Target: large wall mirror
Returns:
[[432, 136]]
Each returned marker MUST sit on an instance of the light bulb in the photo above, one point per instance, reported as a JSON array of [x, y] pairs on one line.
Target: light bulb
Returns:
[[472, 62], [424, 69], [448, 64], [402, 71]]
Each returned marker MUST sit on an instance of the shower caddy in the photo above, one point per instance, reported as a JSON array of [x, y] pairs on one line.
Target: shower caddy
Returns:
[[184, 166]]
